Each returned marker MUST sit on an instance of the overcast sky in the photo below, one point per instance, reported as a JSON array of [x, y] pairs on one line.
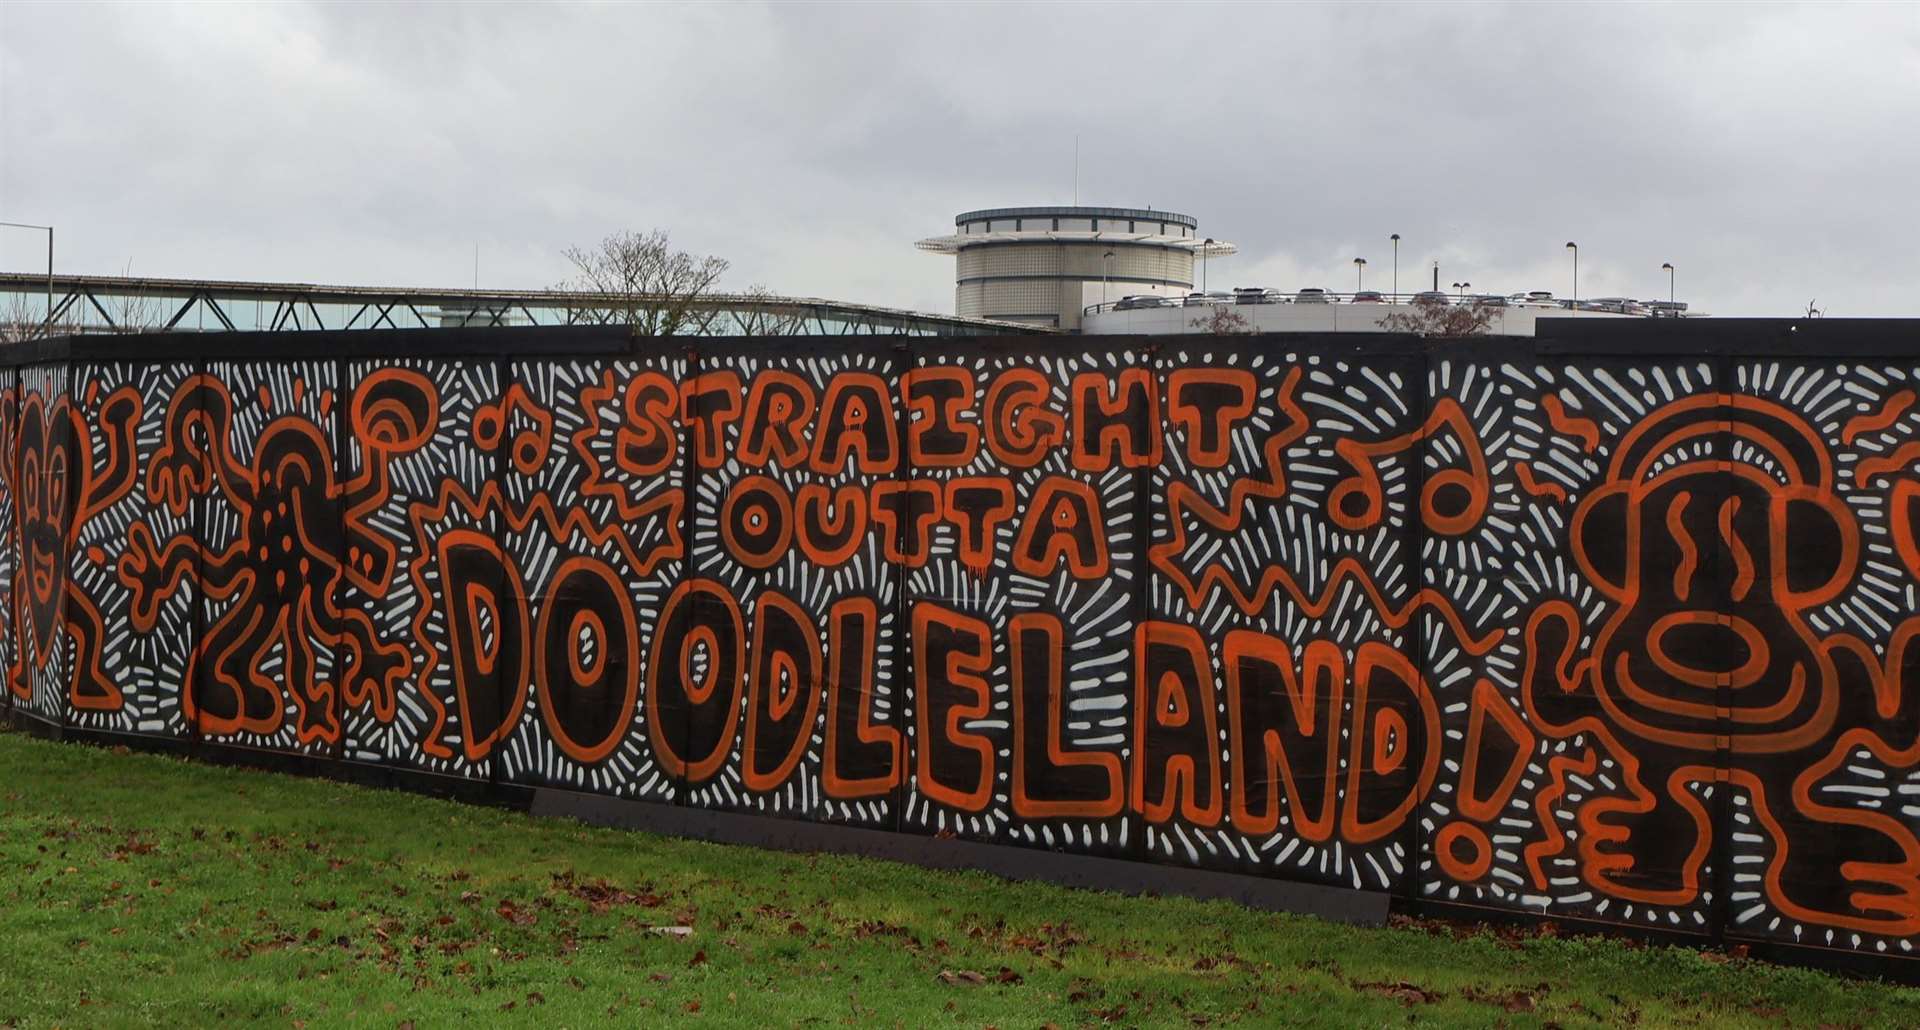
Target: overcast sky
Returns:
[[1772, 153]]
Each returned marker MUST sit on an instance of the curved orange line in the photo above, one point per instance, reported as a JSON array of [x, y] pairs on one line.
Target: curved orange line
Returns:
[[1537, 487], [1888, 414], [1689, 551], [1899, 459], [1586, 430], [1742, 561]]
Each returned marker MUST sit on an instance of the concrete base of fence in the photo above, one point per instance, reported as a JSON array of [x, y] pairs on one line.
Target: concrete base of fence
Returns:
[[1368, 908]]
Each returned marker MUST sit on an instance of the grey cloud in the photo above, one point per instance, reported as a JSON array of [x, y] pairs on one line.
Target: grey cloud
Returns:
[[1767, 151]]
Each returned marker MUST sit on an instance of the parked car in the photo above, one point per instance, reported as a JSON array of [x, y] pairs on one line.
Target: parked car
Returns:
[[1194, 299], [1368, 297], [1313, 295], [1490, 300], [1667, 308], [1430, 297], [1541, 297], [1614, 305], [1249, 295]]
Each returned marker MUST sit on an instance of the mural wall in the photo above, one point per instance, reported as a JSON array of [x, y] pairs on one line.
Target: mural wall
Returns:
[[1620, 639]]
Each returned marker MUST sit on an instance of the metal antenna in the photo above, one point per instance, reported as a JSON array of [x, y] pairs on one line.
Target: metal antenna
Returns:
[[1076, 169]]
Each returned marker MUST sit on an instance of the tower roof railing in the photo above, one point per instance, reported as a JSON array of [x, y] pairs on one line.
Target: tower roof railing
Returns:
[[1143, 214]]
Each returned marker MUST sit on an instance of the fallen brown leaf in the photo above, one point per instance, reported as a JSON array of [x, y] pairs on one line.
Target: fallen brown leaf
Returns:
[[1401, 991]]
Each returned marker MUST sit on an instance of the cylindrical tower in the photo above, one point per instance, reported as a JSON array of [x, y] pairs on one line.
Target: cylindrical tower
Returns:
[[1044, 265]]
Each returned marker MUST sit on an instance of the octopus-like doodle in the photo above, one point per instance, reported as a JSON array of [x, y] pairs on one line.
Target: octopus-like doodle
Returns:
[[305, 535]]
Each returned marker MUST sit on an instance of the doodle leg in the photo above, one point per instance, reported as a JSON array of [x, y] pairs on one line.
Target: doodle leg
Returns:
[[91, 688], [225, 694]]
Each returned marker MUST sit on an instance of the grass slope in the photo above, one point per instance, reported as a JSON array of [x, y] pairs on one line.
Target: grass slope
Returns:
[[142, 889]]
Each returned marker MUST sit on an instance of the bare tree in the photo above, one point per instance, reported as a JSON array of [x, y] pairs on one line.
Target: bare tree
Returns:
[[25, 320], [135, 312], [1223, 322], [646, 284], [761, 313], [1432, 316], [125, 311]]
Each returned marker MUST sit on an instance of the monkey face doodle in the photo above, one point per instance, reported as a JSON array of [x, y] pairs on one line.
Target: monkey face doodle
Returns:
[[1712, 565], [1714, 537]]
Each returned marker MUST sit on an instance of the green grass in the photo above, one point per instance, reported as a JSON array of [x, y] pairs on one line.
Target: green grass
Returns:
[[141, 889]]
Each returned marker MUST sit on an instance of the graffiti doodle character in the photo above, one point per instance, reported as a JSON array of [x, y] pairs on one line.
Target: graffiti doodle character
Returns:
[[55, 492], [302, 535], [1713, 537]]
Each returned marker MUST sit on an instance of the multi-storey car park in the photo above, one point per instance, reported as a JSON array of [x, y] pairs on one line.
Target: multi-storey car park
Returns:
[[1127, 271]]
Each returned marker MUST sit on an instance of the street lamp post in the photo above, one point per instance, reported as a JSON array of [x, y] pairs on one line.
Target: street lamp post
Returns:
[[1396, 265], [1575, 247], [1359, 273], [48, 229], [1668, 268], [1106, 272], [1206, 248]]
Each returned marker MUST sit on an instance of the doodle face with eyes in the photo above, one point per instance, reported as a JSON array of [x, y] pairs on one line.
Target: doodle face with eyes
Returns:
[[1716, 532], [55, 492]]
